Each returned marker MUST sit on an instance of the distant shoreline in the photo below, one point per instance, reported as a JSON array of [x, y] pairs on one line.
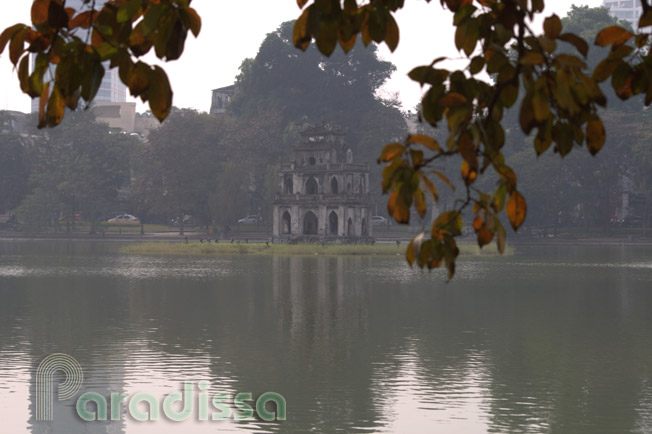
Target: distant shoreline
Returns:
[[194, 237]]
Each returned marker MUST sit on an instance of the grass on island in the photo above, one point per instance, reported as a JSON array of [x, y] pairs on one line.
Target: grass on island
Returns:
[[196, 248]]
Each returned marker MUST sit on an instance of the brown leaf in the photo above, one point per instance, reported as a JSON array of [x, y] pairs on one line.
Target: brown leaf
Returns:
[[159, 93], [579, 43], [40, 12], [300, 36], [484, 236], [420, 202], [398, 208], [17, 46], [425, 140], [516, 209], [595, 135], [139, 78], [453, 99], [42, 103], [195, 21], [552, 26], [612, 35], [390, 151], [392, 33]]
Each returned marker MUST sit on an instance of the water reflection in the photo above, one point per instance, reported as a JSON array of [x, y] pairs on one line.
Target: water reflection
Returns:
[[548, 340]]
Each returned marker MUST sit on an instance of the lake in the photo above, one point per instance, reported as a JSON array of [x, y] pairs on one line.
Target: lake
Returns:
[[550, 339]]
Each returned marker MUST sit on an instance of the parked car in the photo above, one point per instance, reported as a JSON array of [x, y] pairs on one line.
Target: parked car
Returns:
[[187, 220], [378, 220], [124, 218], [250, 220], [78, 219]]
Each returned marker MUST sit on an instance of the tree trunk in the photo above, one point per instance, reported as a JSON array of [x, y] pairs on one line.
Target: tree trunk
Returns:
[[181, 225]]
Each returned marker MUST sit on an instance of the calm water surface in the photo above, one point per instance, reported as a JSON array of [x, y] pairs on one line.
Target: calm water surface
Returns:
[[548, 340]]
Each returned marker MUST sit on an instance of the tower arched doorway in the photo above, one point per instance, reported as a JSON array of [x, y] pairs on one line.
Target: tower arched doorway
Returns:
[[333, 222], [334, 185], [311, 186], [287, 223], [310, 223]]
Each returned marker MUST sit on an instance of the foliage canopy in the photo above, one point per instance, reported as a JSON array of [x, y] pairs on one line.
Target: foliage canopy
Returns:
[[544, 75]]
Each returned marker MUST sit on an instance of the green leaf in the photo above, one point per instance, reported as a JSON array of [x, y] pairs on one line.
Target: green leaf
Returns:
[[128, 10]]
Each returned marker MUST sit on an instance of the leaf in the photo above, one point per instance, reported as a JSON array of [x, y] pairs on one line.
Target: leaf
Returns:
[[42, 119], [23, 75], [195, 21], [397, 207], [605, 68], [645, 20], [56, 107], [612, 35], [477, 223], [17, 46], [501, 235], [424, 140], [449, 222], [420, 202], [390, 151], [430, 186], [532, 58], [40, 12], [595, 135], [301, 3], [484, 236], [444, 178], [552, 27], [392, 34], [541, 107], [7, 34], [300, 36], [453, 99], [469, 174], [128, 10], [159, 93], [91, 81], [139, 78], [516, 209], [580, 44], [476, 65], [82, 20], [410, 253]]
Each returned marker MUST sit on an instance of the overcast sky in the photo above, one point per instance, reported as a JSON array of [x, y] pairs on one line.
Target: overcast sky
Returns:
[[233, 30]]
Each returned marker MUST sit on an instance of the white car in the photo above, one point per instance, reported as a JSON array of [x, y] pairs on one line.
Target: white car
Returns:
[[124, 218], [250, 220], [378, 220]]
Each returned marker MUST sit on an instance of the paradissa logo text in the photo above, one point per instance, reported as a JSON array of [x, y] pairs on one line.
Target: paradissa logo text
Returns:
[[142, 406]]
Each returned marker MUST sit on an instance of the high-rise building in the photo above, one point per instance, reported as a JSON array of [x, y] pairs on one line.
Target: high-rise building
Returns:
[[629, 10], [111, 89]]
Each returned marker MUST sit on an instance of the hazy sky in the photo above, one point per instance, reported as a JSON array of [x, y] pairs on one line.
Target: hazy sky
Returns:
[[233, 30]]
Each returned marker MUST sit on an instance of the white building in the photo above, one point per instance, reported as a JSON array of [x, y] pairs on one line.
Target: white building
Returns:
[[630, 10], [111, 89]]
